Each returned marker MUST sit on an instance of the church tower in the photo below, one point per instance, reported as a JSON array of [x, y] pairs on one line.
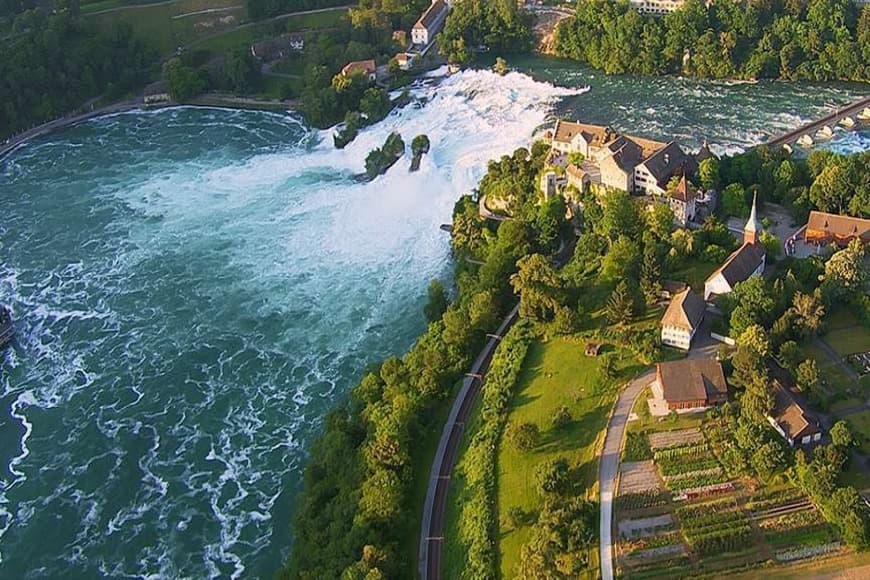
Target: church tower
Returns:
[[752, 228]]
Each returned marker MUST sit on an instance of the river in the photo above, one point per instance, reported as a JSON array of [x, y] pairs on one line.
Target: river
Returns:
[[194, 289]]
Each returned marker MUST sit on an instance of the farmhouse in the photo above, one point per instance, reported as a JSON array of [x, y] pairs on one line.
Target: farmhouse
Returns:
[[688, 385], [682, 319], [430, 23], [360, 67], [746, 261], [790, 419], [682, 201], [826, 228]]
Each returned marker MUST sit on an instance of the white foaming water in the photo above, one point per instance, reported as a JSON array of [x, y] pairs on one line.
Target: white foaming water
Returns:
[[193, 290]]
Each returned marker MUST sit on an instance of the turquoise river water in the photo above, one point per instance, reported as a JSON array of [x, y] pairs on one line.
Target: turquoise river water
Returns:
[[194, 289]]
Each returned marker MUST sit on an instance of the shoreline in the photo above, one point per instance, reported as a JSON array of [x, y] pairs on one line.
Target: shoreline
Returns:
[[213, 101]]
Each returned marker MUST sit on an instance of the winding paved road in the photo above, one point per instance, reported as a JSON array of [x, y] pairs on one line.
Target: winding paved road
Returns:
[[608, 466]]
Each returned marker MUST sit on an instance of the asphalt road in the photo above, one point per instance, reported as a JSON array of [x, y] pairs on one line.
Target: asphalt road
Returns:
[[608, 467]]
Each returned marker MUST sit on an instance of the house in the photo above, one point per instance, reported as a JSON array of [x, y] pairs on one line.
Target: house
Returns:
[[405, 60], [825, 228], [746, 261], [689, 385], [652, 176], [682, 201], [682, 319], [593, 349], [571, 137], [297, 42], [790, 419], [577, 177], [430, 23], [360, 67], [551, 183], [156, 93], [656, 7]]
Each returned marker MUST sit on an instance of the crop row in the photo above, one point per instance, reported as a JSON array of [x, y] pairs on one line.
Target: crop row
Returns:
[[720, 505], [689, 450], [772, 498], [722, 540], [678, 466], [794, 520], [646, 499], [703, 523], [695, 481], [809, 536]]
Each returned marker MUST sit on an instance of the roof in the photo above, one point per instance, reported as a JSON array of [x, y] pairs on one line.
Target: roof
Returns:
[[402, 57], [431, 15], [359, 67], [596, 135], [666, 162], [685, 191], [685, 310], [740, 264], [704, 152], [789, 415], [673, 286], [626, 153], [691, 380], [649, 146], [841, 227], [576, 171]]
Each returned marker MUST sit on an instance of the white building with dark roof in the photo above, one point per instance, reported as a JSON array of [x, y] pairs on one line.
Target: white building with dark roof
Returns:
[[746, 261], [682, 319], [682, 202], [430, 23]]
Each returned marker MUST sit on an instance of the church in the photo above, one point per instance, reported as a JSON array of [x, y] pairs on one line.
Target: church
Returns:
[[746, 261]]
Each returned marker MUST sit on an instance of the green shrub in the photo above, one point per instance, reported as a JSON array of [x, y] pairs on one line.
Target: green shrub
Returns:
[[637, 447], [524, 436]]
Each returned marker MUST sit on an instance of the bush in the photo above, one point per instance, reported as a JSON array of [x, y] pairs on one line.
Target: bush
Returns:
[[552, 476], [562, 417], [637, 447], [524, 436]]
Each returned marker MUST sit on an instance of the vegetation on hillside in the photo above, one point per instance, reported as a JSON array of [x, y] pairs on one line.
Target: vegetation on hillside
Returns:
[[381, 159], [473, 25], [53, 63], [786, 39]]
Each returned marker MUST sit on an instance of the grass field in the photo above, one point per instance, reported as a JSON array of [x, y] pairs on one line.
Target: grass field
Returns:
[[555, 373], [860, 424], [850, 340], [694, 274]]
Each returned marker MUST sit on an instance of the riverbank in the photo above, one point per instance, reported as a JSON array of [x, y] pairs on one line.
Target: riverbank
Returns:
[[215, 100]]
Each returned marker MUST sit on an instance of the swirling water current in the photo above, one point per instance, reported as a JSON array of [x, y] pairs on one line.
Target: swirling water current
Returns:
[[194, 289]]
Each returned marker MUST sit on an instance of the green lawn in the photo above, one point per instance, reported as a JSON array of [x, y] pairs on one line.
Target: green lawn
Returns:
[[646, 423], [860, 424], [555, 373], [694, 273], [849, 340]]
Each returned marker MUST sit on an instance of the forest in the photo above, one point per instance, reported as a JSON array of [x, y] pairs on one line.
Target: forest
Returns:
[[817, 40], [53, 63], [476, 25]]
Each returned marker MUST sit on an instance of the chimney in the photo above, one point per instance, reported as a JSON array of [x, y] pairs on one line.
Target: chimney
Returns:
[[667, 158]]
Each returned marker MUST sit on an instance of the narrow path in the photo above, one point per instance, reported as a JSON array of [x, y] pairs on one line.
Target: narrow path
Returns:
[[836, 358], [608, 466], [435, 508]]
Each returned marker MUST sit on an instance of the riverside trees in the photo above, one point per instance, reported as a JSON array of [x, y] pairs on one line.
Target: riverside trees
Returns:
[[822, 40]]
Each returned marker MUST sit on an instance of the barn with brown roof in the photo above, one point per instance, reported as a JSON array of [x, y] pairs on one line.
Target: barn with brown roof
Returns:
[[689, 385], [827, 228]]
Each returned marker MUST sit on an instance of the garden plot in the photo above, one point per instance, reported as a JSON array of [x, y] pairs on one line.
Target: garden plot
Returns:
[[689, 467], [638, 477], [668, 439], [716, 528], [643, 527]]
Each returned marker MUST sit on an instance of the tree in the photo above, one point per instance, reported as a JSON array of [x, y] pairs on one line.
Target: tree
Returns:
[[650, 273], [845, 274], [620, 307], [807, 376], [841, 435], [523, 436], [182, 81], [553, 476], [660, 221], [767, 460], [539, 287], [708, 173], [790, 355], [772, 245], [243, 72], [622, 260], [734, 201], [831, 191], [501, 66], [437, 304], [754, 304], [620, 216], [810, 312]]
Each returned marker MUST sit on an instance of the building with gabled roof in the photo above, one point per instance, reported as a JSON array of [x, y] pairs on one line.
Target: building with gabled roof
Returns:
[[689, 385], [790, 419], [571, 137], [430, 23], [652, 176], [682, 319], [682, 201], [360, 67], [746, 261], [827, 228]]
